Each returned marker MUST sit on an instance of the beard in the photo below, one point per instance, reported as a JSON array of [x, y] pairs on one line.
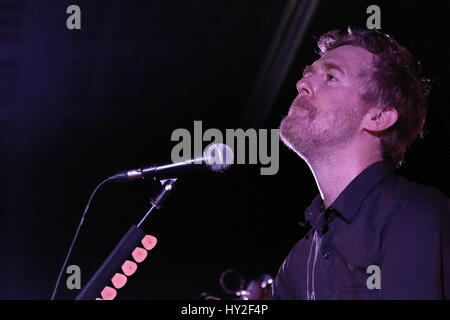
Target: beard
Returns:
[[313, 133]]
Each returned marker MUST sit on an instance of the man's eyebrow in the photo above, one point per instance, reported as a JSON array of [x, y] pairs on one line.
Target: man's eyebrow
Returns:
[[326, 66], [331, 65], [308, 69]]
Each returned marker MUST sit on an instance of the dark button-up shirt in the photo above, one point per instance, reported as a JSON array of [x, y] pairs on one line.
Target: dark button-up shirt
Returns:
[[384, 237]]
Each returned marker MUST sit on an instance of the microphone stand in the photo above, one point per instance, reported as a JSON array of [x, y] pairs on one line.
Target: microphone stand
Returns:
[[123, 250], [167, 186]]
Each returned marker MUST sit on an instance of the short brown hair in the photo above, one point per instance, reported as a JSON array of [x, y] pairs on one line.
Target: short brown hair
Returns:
[[396, 82]]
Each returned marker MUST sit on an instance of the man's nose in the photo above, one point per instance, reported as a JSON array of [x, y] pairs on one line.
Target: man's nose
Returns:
[[304, 87]]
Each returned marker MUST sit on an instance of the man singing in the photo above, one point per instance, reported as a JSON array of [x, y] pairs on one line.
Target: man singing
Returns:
[[374, 235]]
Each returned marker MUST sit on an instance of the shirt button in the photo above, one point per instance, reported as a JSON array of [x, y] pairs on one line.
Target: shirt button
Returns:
[[326, 254]]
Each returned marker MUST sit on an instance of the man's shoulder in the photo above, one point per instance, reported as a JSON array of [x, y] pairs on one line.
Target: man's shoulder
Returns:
[[414, 201], [405, 192]]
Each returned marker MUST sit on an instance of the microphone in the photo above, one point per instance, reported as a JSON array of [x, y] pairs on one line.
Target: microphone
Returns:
[[217, 157]]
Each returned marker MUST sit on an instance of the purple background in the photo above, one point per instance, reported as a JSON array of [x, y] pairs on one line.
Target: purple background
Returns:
[[78, 106]]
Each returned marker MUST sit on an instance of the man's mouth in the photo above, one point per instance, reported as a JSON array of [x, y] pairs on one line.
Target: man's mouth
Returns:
[[301, 103]]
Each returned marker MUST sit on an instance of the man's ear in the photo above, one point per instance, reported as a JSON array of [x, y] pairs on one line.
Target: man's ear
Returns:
[[380, 119]]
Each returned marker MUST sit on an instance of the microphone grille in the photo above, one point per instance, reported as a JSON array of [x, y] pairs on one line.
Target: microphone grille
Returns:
[[218, 157]]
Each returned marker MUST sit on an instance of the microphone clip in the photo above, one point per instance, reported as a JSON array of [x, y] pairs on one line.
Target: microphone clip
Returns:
[[167, 187], [156, 202]]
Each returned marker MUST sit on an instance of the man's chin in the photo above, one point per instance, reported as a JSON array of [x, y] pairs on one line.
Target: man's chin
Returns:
[[283, 130], [287, 133], [295, 139]]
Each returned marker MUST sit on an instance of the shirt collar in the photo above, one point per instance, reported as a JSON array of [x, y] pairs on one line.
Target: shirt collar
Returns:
[[349, 201]]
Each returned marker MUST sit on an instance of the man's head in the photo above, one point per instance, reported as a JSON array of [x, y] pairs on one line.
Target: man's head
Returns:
[[365, 85]]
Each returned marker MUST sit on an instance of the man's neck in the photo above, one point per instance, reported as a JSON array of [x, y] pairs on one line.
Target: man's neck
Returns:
[[334, 173]]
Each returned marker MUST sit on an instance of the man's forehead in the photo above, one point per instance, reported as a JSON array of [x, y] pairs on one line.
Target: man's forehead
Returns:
[[351, 59]]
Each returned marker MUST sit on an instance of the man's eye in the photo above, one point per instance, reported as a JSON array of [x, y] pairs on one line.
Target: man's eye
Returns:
[[330, 77]]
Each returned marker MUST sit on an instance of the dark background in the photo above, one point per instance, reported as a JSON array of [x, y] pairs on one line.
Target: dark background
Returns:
[[77, 106]]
